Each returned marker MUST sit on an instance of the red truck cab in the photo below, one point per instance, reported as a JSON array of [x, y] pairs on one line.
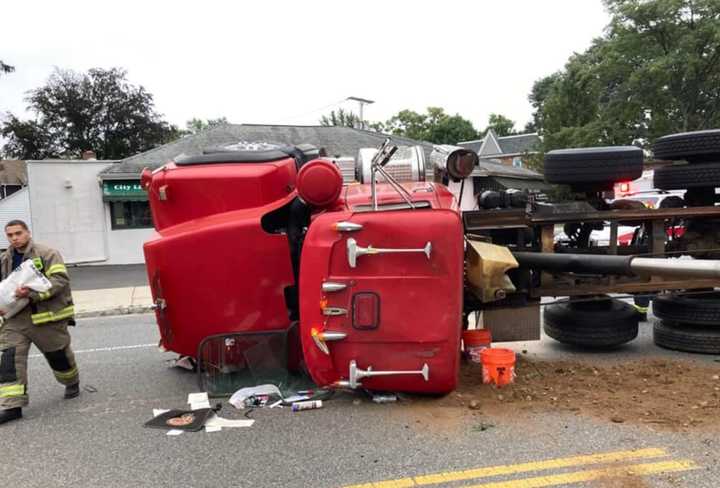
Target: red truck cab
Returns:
[[240, 248], [381, 291]]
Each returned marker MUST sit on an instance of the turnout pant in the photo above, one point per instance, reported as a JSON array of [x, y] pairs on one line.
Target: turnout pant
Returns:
[[52, 339]]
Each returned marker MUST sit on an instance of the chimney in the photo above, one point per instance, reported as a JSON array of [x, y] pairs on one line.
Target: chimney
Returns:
[[88, 155]]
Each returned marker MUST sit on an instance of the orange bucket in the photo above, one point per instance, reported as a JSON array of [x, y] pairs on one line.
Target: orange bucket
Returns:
[[475, 341], [498, 366]]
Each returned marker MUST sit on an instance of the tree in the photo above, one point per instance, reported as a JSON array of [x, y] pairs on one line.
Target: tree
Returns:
[[501, 125], [341, 118], [195, 125], [6, 68], [435, 126], [655, 71], [98, 110]]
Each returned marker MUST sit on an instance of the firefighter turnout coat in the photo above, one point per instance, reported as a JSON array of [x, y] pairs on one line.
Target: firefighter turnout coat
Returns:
[[56, 303], [43, 323]]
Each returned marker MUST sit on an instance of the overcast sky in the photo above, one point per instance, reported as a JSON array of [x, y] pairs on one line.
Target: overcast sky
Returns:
[[289, 62]]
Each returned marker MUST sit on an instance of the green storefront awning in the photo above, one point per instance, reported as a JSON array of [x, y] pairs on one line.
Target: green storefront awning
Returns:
[[123, 191]]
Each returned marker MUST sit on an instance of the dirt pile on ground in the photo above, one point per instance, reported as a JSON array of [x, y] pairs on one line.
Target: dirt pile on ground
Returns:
[[666, 394]]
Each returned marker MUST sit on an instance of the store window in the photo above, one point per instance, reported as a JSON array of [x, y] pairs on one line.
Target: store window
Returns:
[[130, 215], [7, 190]]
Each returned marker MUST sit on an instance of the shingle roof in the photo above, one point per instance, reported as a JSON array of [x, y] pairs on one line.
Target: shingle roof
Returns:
[[519, 144], [491, 168], [472, 145], [337, 141]]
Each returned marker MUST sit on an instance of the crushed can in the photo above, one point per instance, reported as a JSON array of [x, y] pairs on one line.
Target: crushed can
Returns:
[[308, 405], [384, 398]]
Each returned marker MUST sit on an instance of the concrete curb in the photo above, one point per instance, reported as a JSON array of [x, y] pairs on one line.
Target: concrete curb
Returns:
[[125, 310]]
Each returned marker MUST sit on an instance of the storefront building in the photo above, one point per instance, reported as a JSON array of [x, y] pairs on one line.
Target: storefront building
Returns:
[[88, 219]]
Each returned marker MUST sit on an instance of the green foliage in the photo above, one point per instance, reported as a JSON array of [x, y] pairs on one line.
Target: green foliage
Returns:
[[434, 126], [341, 118], [533, 161], [195, 125], [98, 110], [655, 71], [6, 68], [501, 125]]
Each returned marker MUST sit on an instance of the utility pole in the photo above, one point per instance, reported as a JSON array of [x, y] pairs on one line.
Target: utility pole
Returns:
[[362, 102]]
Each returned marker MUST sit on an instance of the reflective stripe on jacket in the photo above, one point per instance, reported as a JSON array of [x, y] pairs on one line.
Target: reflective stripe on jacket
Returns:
[[56, 303]]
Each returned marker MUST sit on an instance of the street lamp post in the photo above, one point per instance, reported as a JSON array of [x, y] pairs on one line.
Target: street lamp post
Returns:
[[362, 102]]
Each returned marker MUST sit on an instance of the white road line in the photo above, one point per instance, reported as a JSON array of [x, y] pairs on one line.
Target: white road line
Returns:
[[105, 349]]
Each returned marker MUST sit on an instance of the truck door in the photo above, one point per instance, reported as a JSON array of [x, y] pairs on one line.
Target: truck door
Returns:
[[381, 299]]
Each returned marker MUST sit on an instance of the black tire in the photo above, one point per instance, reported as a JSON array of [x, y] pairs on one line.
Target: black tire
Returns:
[[592, 325], [686, 337], [673, 201], [681, 177], [597, 167], [693, 309], [691, 146]]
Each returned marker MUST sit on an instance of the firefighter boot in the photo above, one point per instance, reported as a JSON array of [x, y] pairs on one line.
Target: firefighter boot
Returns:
[[72, 391], [10, 414]]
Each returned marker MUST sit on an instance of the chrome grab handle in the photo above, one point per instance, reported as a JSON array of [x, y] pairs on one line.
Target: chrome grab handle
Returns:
[[356, 374], [320, 339], [334, 311], [355, 251], [329, 335], [333, 286]]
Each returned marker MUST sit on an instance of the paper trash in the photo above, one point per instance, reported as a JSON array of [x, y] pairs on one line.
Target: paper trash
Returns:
[[216, 421], [26, 275], [238, 398], [198, 401]]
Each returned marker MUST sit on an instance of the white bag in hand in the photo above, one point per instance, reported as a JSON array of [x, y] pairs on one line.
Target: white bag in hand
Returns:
[[25, 275]]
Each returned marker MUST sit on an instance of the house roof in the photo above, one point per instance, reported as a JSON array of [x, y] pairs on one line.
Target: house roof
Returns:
[[337, 142], [472, 145], [519, 144], [492, 168], [13, 172], [509, 145]]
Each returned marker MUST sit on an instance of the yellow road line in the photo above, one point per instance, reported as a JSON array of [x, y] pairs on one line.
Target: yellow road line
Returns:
[[593, 474], [608, 457]]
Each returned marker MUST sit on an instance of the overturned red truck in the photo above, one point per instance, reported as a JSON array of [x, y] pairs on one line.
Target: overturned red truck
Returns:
[[373, 277]]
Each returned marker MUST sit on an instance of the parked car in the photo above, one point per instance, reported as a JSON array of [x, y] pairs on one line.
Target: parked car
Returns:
[[650, 199]]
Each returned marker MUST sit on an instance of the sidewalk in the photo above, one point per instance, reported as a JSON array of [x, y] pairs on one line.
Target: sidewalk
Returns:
[[112, 301]]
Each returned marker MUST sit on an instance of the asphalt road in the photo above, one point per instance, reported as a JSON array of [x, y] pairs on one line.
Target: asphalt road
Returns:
[[98, 439]]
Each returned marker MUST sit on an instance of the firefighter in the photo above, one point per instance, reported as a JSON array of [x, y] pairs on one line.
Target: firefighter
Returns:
[[43, 322]]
